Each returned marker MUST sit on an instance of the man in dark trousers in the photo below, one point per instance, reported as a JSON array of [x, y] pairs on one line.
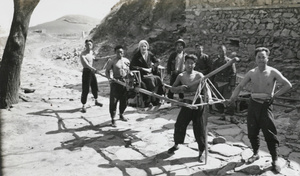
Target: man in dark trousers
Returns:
[[260, 116], [88, 75], [225, 79], [118, 93], [175, 65], [184, 84]]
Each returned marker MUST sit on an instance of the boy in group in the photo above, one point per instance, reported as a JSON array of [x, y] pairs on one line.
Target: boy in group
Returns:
[[260, 116], [183, 84], [88, 75], [118, 93]]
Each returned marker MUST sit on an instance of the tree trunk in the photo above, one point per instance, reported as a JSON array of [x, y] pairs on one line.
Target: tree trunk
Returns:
[[10, 68]]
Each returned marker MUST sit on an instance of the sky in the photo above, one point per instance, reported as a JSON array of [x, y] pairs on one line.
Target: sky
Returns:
[[49, 10]]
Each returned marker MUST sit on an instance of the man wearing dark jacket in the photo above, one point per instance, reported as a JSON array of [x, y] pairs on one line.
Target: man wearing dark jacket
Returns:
[[224, 80], [175, 65]]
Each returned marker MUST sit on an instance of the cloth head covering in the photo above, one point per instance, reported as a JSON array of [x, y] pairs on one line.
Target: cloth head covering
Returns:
[[143, 42], [180, 41]]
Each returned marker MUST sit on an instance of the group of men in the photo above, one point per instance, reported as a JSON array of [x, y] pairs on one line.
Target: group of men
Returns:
[[185, 69], [224, 81]]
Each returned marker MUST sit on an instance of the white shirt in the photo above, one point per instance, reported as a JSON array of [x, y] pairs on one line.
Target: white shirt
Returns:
[[179, 66]]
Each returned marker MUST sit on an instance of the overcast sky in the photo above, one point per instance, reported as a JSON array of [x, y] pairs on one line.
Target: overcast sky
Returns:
[[49, 10]]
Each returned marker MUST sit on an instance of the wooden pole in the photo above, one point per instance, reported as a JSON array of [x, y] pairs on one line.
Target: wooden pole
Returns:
[[233, 60], [137, 89]]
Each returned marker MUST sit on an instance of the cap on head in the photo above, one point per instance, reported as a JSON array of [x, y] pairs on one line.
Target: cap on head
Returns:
[[88, 40], [180, 41], [118, 47]]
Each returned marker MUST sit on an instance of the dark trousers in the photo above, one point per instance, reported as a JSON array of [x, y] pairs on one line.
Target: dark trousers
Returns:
[[172, 80], [118, 93], [154, 84], [185, 116], [88, 80], [260, 116]]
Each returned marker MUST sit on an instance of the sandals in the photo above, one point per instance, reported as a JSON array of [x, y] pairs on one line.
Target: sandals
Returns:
[[252, 159]]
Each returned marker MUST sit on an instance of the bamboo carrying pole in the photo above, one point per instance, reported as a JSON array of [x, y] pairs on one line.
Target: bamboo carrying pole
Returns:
[[138, 89], [233, 60]]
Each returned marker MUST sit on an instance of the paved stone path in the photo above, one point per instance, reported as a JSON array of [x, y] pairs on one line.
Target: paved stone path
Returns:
[[50, 136]]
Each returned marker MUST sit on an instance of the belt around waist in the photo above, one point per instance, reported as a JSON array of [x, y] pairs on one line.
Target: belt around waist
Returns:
[[121, 79], [261, 100]]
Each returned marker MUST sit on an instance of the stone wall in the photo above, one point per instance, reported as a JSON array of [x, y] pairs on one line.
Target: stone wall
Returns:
[[238, 3], [242, 29]]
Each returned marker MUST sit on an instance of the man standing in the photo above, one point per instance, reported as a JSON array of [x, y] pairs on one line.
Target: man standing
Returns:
[[175, 65], [204, 63], [118, 93], [225, 79], [88, 75], [263, 79], [183, 84]]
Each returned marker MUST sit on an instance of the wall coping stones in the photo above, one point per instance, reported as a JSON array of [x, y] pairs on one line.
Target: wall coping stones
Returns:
[[244, 8]]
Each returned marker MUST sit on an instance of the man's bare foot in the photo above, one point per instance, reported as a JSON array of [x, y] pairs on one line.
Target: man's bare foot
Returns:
[[276, 166]]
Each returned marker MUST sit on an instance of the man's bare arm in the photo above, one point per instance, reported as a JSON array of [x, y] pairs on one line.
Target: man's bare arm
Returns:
[[177, 87], [108, 68], [286, 85], [85, 63], [240, 87]]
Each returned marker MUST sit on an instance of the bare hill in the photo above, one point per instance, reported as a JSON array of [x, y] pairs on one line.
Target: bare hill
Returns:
[[158, 21], [69, 24]]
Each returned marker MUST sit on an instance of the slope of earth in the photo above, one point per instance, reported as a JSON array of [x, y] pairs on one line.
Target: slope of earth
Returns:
[[161, 22]]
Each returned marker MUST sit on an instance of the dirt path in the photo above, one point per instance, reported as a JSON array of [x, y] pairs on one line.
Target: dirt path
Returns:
[[27, 146]]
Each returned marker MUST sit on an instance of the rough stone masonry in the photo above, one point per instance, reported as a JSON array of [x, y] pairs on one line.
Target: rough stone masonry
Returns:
[[243, 28]]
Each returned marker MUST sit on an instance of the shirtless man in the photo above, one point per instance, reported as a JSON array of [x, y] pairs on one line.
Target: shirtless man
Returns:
[[88, 75], [263, 79], [183, 84], [120, 68]]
